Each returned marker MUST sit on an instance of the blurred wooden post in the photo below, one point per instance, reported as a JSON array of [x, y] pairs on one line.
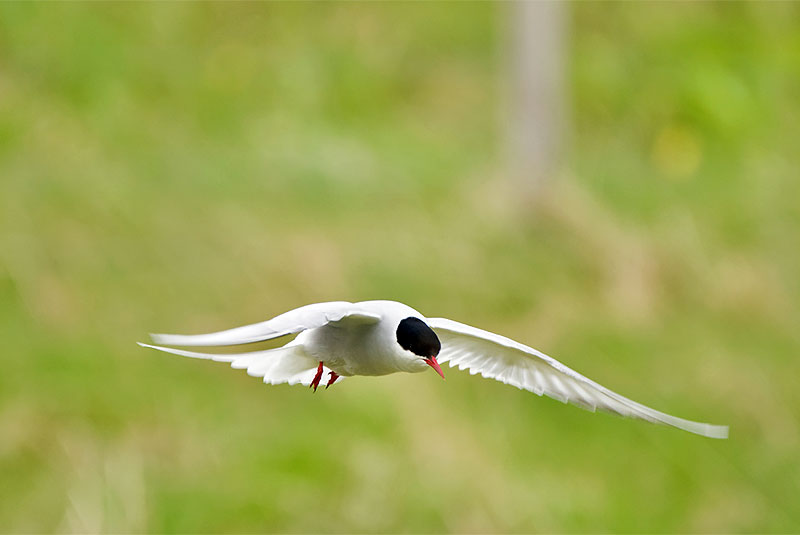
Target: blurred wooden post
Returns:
[[538, 94]]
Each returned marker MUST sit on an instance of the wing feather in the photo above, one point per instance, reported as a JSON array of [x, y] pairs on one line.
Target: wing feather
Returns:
[[497, 357], [292, 322]]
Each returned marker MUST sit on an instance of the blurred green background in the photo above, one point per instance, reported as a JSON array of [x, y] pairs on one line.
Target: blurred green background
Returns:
[[190, 167]]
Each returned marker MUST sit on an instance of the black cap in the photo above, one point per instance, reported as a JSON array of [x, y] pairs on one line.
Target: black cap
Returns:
[[414, 335]]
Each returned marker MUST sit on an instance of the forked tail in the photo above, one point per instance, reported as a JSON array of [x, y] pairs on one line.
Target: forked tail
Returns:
[[288, 364]]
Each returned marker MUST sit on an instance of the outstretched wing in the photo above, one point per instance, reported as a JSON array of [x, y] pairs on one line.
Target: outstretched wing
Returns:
[[292, 322], [510, 362], [288, 364]]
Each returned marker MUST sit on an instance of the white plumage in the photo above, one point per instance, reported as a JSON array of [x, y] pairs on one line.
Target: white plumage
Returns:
[[382, 337]]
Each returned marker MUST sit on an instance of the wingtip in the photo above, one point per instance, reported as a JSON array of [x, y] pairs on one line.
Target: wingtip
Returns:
[[177, 339], [158, 338], [717, 431]]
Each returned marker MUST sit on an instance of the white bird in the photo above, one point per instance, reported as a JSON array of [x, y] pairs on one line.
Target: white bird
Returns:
[[343, 339]]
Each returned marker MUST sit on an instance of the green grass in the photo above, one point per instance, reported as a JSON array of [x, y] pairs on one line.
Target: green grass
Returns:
[[189, 167]]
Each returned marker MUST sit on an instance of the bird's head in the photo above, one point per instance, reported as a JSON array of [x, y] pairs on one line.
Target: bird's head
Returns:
[[416, 337]]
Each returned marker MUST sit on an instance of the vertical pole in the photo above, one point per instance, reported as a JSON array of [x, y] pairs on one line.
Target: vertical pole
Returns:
[[538, 100]]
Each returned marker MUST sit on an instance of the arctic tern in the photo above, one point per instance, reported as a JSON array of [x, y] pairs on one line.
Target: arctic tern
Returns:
[[341, 339]]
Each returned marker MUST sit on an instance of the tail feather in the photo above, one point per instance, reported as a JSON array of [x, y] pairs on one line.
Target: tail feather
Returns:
[[288, 364]]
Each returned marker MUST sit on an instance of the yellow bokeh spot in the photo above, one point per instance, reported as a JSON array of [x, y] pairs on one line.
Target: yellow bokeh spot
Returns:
[[677, 152]]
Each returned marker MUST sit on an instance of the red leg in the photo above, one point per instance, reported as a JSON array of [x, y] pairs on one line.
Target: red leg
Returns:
[[332, 378], [315, 383]]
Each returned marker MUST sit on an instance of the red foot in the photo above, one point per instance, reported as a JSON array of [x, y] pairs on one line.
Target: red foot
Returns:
[[332, 378], [315, 382]]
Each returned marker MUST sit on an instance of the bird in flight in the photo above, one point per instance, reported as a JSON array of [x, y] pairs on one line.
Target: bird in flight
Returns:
[[340, 339]]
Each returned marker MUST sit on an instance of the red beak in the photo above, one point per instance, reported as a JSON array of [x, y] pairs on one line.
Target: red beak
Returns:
[[435, 365]]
